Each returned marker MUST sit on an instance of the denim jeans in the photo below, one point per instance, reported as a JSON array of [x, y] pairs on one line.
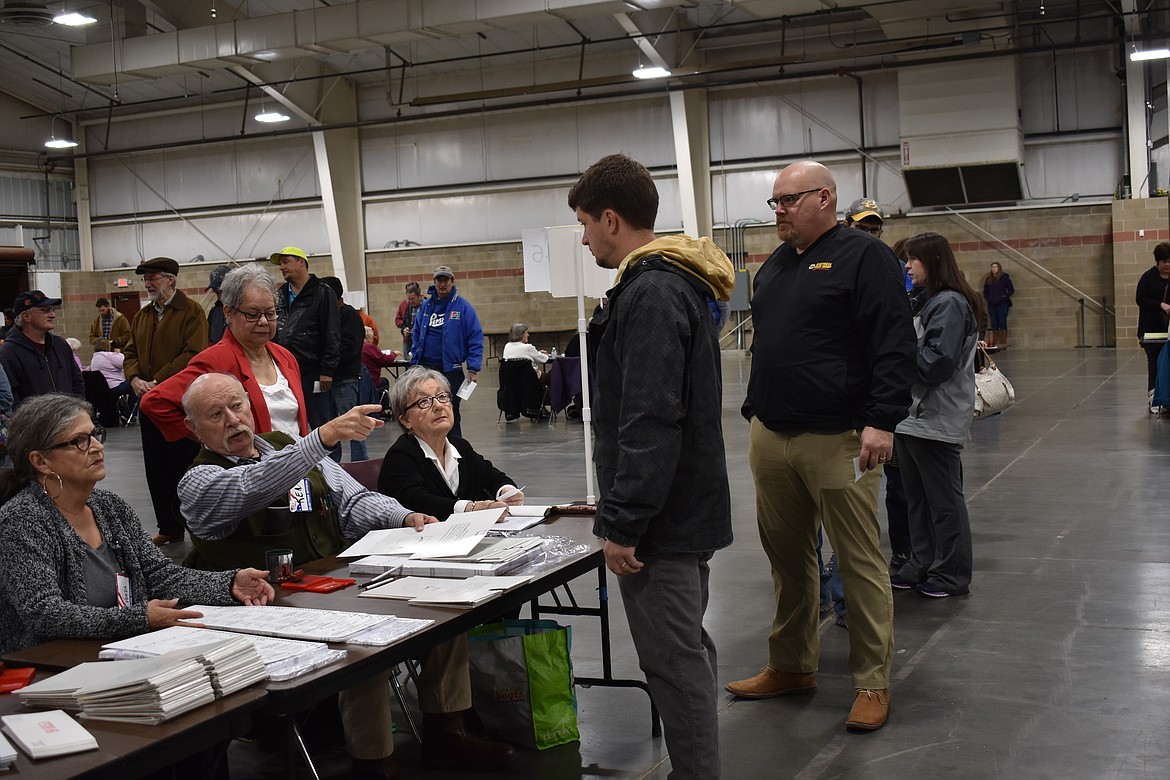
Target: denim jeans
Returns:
[[344, 396]]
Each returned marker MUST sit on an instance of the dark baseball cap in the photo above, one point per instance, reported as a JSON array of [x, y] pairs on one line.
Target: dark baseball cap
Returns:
[[31, 300], [216, 279], [864, 208], [163, 265], [333, 283]]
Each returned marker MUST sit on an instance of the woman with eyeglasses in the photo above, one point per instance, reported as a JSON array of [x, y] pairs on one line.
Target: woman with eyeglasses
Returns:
[[427, 468], [75, 561], [269, 372]]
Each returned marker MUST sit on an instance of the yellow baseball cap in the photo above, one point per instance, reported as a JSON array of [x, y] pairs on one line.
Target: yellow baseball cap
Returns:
[[291, 251]]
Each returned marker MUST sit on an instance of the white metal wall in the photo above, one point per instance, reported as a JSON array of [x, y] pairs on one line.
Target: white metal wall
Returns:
[[484, 177]]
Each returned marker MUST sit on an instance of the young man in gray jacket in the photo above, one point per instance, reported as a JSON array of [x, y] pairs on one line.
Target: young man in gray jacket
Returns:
[[665, 503]]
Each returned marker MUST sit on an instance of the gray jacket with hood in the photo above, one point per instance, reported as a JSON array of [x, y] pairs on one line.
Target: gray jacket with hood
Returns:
[[943, 396]]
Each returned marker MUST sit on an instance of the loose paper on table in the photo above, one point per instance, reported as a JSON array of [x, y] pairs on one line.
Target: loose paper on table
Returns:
[[457, 536]]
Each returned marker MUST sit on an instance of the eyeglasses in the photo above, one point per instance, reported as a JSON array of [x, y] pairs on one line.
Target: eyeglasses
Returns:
[[254, 316], [425, 402], [788, 201], [873, 231], [156, 278], [83, 441]]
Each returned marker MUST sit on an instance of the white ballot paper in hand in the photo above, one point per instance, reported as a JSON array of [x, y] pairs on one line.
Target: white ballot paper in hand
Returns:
[[457, 536], [466, 389]]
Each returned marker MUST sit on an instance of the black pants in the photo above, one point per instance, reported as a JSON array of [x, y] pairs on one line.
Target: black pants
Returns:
[[1152, 352], [165, 463], [897, 521]]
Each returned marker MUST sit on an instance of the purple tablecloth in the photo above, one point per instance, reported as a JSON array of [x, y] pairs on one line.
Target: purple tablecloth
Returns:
[[565, 383]]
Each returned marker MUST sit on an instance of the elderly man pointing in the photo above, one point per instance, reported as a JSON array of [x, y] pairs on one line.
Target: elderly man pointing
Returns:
[[246, 493]]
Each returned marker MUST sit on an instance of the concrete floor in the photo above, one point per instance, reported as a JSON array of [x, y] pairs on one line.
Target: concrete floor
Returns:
[[1054, 667]]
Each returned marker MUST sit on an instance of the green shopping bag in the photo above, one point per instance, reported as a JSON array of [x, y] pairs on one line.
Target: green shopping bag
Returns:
[[522, 682]]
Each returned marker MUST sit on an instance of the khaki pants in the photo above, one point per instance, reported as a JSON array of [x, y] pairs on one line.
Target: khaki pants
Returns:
[[444, 685], [802, 481]]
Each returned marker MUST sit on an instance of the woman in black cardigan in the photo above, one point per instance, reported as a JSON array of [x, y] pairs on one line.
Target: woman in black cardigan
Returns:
[[429, 470]]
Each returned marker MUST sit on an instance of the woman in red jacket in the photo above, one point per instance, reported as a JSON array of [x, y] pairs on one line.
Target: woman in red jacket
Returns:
[[268, 371]]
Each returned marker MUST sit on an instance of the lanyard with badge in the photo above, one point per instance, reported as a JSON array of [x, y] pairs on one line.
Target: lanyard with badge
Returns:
[[121, 581]]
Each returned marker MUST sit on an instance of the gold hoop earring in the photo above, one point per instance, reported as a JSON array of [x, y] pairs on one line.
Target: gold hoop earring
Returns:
[[60, 485]]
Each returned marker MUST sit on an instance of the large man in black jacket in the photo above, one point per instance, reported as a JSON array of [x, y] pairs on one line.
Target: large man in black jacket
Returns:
[[832, 365], [308, 325], [665, 503]]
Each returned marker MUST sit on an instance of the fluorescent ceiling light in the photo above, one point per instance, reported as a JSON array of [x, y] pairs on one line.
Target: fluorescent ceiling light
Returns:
[[1149, 54], [272, 116], [655, 73], [60, 143], [73, 19]]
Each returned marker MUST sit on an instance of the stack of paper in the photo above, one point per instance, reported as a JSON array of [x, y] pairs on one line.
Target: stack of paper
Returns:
[[458, 594], [317, 625], [489, 557], [48, 734], [151, 690], [7, 753], [283, 659], [231, 665], [60, 690]]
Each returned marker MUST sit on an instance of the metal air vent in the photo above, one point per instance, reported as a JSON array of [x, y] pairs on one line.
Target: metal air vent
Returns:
[[24, 14]]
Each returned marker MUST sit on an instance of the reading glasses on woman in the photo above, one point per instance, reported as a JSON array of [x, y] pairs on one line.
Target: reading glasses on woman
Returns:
[[254, 316], [425, 402], [788, 201], [83, 441]]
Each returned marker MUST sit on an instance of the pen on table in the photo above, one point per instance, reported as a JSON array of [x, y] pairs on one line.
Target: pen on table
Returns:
[[379, 579], [510, 493]]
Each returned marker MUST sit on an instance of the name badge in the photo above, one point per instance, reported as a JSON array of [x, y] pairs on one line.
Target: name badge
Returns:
[[122, 585], [300, 498]]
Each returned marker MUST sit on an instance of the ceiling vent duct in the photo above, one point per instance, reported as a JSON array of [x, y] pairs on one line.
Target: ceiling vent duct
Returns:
[[961, 137], [25, 15]]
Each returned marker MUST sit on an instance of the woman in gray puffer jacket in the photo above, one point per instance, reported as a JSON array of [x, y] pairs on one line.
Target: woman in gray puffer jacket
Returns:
[[74, 560], [928, 442]]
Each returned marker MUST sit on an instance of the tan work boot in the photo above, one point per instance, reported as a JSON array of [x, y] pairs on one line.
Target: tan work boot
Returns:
[[769, 683], [871, 710]]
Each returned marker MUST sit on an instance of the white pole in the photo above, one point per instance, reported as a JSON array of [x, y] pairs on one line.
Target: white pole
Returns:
[[586, 411]]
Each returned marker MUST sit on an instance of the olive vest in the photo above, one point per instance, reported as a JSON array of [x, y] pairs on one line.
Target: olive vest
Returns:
[[310, 535]]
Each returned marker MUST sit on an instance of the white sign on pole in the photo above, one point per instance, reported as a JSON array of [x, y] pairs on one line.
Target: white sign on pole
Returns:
[[48, 282], [565, 253], [535, 242]]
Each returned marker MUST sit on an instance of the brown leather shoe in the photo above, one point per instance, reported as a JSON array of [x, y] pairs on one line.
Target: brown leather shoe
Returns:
[[448, 743], [161, 539], [871, 710], [376, 769], [769, 683]]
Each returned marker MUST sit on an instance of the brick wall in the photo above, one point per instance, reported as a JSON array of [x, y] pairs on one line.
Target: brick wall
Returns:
[[79, 290], [1095, 248], [1133, 255], [490, 276], [1073, 242]]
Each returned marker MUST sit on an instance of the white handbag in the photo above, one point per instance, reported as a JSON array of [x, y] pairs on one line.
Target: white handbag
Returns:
[[993, 392]]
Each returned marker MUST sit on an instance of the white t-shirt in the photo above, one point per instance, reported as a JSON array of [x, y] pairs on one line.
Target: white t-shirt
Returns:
[[282, 406], [514, 350]]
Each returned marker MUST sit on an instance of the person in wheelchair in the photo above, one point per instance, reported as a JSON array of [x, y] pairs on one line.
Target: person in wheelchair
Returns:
[[519, 393], [109, 364], [374, 360]]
